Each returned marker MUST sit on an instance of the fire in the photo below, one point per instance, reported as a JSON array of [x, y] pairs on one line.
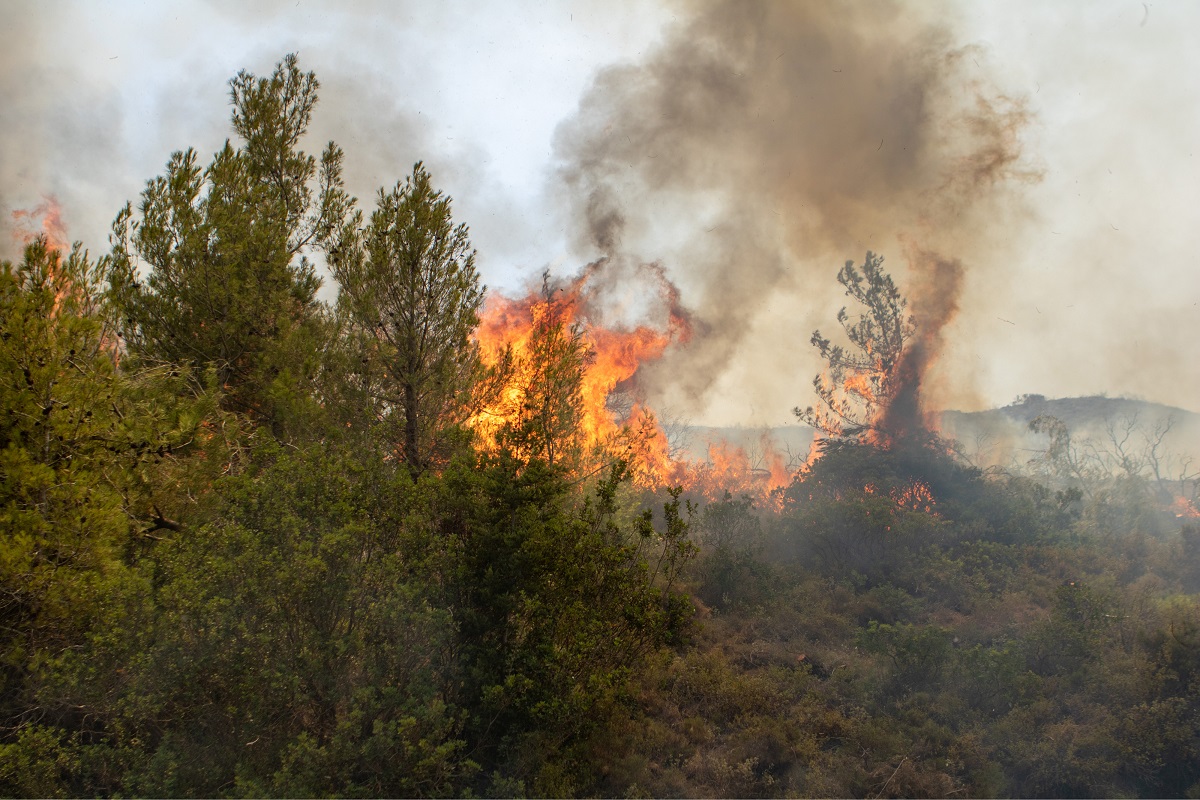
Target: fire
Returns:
[[44, 219], [509, 327], [1185, 508], [917, 496], [873, 390], [614, 420], [731, 469]]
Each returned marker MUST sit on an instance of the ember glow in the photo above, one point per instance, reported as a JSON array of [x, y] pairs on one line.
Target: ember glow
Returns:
[[1185, 508], [917, 496]]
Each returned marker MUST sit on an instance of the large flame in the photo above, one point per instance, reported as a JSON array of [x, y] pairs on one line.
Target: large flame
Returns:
[[616, 419]]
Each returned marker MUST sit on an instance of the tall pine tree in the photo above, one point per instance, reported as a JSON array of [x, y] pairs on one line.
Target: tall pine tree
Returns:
[[409, 283], [230, 284]]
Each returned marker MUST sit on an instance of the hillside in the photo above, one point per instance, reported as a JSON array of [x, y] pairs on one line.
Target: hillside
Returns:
[[1002, 436], [998, 436]]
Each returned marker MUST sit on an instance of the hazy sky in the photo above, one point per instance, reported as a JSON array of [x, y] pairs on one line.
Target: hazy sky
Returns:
[[1078, 273]]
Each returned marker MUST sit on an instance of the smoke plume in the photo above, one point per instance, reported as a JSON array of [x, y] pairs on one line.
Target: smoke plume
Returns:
[[761, 145], [937, 283]]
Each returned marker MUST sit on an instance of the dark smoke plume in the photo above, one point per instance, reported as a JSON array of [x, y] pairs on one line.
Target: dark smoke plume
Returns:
[[763, 144], [937, 283]]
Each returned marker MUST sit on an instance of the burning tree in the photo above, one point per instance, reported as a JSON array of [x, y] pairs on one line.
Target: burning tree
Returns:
[[548, 416], [860, 382], [564, 368]]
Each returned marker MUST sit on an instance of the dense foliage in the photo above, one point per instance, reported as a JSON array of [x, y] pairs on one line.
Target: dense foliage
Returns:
[[236, 560]]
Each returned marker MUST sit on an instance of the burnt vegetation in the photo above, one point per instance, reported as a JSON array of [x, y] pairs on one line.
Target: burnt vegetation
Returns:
[[254, 545]]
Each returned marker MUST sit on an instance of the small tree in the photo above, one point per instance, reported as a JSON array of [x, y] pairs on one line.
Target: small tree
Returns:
[[230, 281], [548, 420], [409, 282], [860, 381]]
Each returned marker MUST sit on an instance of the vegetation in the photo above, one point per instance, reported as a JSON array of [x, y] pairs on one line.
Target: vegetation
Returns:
[[411, 287], [861, 379], [236, 560]]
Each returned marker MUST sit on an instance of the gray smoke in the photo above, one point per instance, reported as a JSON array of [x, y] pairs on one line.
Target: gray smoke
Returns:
[[764, 144]]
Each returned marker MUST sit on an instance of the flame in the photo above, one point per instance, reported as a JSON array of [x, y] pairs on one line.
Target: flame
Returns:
[[44, 219], [615, 419], [883, 396], [730, 469], [1185, 508], [508, 325], [917, 496]]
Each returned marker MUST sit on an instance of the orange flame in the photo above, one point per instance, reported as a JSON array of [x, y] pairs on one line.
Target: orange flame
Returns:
[[917, 496], [509, 325], [731, 469], [1185, 508], [44, 219], [618, 351]]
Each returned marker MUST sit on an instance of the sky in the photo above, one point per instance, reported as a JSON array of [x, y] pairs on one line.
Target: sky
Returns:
[[1027, 169]]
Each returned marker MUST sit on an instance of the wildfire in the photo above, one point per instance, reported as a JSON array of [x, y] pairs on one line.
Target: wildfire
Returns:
[[44, 219], [731, 469], [1185, 508], [917, 496], [509, 328], [614, 419]]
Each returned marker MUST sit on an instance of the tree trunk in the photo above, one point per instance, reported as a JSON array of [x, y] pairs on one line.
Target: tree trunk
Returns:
[[411, 450]]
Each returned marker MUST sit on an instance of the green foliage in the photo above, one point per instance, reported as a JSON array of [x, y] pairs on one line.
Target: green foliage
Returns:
[[918, 655], [230, 284], [37, 764], [97, 462], [409, 284], [730, 570], [1080, 619], [64, 526], [860, 381], [332, 681], [555, 607]]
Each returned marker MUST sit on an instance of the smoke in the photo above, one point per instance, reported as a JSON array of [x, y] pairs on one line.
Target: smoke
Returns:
[[45, 220], [83, 122], [761, 145], [22, 144], [937, 285]]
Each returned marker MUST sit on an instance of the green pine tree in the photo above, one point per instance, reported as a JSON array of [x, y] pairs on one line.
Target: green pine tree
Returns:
[[92, 473], [410, 286], [230, 284]]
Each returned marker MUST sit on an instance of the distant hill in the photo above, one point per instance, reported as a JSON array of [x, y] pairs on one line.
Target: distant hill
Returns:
[[1076, 412], [996, 436], [1002, 435]]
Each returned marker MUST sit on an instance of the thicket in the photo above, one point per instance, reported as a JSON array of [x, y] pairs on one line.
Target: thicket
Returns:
[[251, 546]]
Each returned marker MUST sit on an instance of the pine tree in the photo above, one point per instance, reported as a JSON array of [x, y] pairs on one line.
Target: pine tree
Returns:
[[861, 380], [409, 283], [548, 423], [230, 283], [89, 478]]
